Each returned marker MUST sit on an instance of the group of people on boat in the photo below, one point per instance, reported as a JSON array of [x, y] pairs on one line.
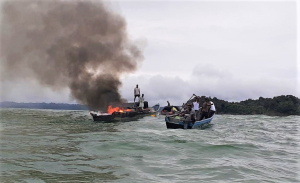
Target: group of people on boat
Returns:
[[193, 107], [207, 110], [193, 112]]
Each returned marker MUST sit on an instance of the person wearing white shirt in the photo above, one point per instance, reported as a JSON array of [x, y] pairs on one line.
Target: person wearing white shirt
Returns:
[[141, 100], [196, 106], [136, 92], [212, 109]]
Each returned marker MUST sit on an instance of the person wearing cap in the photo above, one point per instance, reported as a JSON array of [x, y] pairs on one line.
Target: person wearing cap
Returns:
[[205, 108]]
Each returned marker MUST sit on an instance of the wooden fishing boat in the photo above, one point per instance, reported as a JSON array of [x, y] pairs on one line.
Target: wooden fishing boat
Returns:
[[129, 114], [176, 123]]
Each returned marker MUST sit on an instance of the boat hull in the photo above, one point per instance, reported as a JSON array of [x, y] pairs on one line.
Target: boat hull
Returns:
[[178, 124], [124, 116], [107, 118]]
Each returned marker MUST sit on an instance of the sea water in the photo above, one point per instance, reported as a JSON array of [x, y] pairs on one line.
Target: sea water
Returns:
[[67, 146]]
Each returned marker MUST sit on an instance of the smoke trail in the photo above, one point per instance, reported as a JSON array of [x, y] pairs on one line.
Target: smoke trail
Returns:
[[81, 45]]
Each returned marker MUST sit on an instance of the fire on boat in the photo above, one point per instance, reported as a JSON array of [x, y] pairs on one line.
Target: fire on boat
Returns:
[[124, 112]]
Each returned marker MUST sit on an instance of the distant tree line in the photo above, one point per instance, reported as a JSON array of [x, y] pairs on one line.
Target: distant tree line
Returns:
[[43, 105], [283, 105]]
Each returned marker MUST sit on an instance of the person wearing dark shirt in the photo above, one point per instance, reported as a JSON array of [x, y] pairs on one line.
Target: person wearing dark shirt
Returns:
[[190, 117], [168, 103], [205, 108]]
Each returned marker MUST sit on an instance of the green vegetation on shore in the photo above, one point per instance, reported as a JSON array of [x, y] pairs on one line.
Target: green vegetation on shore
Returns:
[[283, 105]]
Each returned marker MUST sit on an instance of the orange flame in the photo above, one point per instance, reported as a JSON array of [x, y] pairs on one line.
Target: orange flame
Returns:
[[110, 109]]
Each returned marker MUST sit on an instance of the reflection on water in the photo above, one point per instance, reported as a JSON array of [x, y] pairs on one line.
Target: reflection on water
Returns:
[[67, 146]]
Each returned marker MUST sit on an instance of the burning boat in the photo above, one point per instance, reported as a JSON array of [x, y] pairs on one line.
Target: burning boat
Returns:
[[124, 112]]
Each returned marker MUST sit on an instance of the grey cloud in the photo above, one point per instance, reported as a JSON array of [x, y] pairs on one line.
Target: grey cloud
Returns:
[[231, 50], [159, 89], [79, 45], [209, 71]]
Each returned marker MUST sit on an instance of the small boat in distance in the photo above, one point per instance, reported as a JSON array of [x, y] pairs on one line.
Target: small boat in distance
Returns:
[[124, 112], [176, 123]]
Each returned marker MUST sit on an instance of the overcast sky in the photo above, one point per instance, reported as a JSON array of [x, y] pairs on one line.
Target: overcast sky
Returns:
[[225, 49]]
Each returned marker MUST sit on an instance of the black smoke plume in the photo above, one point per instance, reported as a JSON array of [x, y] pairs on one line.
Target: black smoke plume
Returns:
[[81, 45]]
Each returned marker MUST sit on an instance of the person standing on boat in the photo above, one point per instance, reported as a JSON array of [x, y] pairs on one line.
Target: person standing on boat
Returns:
[[141, 100], [204, 110], [168, 103], [136, 92], [212, 109], [196, 106]]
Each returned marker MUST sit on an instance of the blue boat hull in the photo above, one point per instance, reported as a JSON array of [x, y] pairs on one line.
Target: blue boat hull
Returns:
[[180, 125]]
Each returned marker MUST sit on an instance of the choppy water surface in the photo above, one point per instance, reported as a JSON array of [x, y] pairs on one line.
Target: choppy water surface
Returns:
[[67, 146]]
